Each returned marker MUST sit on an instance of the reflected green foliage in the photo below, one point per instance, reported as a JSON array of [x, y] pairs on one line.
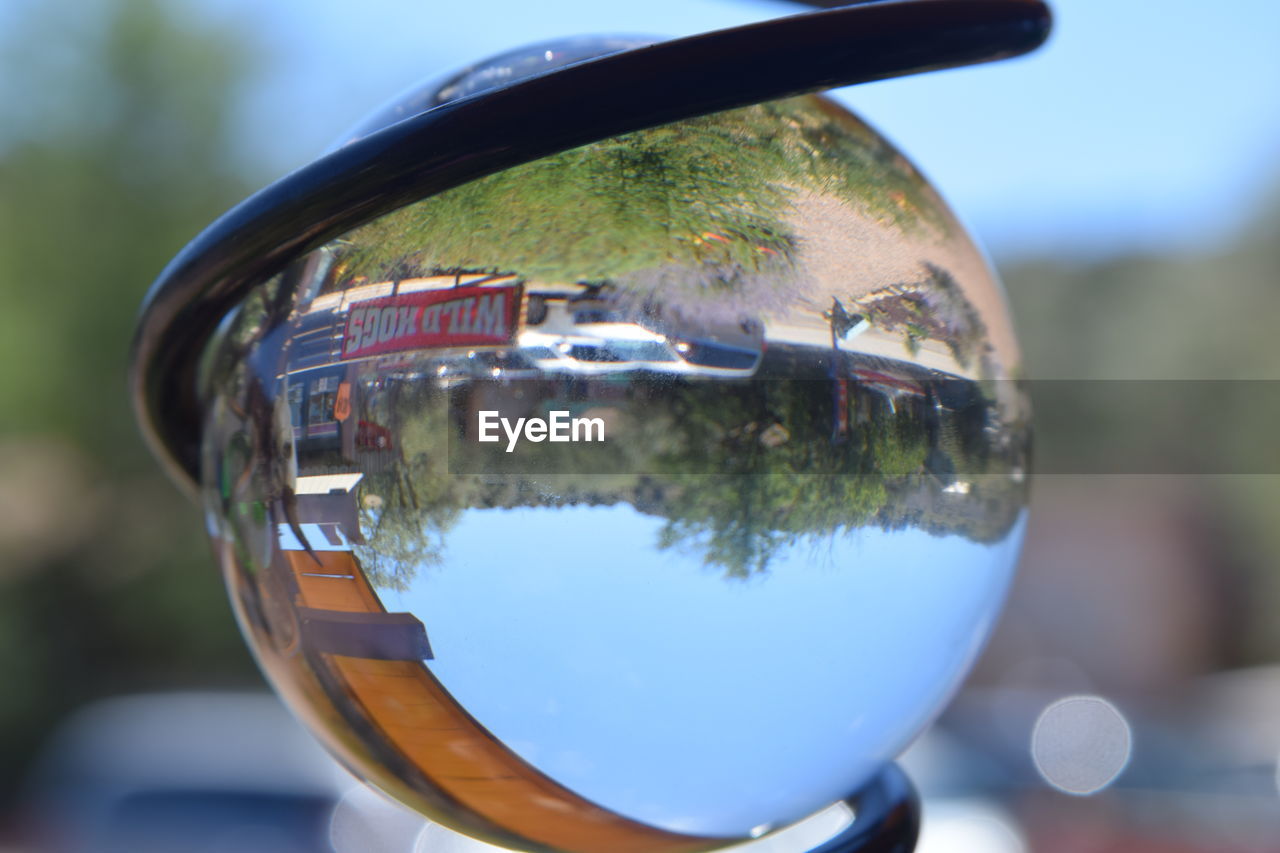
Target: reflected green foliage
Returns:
[[780, 489], [409, 506], [738, 471], [776, 491], [711, 193], [931, 308]]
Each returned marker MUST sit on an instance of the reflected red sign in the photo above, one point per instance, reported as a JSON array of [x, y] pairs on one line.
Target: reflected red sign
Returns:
[[432, 319]]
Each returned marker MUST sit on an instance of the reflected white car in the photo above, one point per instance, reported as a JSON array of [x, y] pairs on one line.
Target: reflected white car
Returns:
[[592, 336]]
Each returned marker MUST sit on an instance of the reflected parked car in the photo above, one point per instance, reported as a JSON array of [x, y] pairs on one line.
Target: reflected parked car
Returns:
[[596, 336]]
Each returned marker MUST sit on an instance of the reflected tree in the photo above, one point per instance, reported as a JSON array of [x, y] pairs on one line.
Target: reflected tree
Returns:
[[932, 307], [739, 470], [784, 481], [407, 509]]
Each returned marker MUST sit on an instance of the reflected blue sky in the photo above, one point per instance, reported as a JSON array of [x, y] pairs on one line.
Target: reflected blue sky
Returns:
[[1140, 125], [658, 688]]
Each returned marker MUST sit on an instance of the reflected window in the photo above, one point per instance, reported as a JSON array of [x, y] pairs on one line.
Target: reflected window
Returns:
[[588, 352], [320, 406], [295, 407], [641, 351]]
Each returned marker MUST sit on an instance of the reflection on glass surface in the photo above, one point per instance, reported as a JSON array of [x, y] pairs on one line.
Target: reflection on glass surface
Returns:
[[777, 543]]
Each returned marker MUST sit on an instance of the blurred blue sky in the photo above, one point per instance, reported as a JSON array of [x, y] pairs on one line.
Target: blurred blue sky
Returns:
[[1142, 125]]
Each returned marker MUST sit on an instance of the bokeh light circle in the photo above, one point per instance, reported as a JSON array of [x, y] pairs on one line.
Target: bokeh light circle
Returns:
[[1081, 744]]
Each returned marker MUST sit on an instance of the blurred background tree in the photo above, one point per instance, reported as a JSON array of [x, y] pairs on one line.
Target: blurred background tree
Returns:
[[1153, 327], [113, 153]]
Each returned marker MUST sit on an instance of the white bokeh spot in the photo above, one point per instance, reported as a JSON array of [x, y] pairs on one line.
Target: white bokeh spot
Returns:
[[1081, 744]]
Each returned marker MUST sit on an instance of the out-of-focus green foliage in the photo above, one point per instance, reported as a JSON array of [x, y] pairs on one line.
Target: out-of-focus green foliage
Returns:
[[737, 472], [113, 153], [1155, 320]]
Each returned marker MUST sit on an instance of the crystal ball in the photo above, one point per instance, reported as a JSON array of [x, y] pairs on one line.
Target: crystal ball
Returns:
[[649, 496]]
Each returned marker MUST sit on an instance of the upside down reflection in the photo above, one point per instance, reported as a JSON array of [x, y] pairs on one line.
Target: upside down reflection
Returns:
[[728, 613]]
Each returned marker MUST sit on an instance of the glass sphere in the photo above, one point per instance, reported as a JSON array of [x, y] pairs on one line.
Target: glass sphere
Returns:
[[646, 497]]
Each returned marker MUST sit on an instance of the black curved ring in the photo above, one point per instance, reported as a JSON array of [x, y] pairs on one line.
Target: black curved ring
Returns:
[[494, 130], [886, 817]]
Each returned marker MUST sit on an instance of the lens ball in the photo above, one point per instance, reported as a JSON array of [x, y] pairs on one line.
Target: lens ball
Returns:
[[646, 497]]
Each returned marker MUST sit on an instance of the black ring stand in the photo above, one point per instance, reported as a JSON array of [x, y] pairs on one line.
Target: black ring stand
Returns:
[[460, 141], [886, 817]]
